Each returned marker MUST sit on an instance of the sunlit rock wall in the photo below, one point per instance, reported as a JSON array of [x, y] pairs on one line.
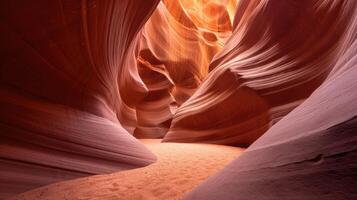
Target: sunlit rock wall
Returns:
[[278, 54], [178, 43], [309, 154], [65, 70]]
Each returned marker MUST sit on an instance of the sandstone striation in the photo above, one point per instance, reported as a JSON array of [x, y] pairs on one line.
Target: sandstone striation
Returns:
[[66, 77], [274, 60]]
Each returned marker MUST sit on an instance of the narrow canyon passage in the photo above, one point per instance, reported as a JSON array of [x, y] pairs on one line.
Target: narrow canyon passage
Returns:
[[178, 99]]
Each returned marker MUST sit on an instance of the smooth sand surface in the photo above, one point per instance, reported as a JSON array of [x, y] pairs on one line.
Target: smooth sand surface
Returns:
[[180, 167]]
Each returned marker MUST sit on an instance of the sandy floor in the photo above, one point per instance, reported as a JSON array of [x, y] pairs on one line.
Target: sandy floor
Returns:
[[180, 167]]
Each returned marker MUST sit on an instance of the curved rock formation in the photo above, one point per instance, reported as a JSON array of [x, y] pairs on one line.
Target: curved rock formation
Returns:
[[273, 61], [65, 71], [311, 153], [178, 43], [77, 77]]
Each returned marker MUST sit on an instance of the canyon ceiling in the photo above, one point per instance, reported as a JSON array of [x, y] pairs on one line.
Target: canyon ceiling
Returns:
[[80, 81]]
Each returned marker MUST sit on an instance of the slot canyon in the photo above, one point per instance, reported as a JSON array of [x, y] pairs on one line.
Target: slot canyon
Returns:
[[178, 99]]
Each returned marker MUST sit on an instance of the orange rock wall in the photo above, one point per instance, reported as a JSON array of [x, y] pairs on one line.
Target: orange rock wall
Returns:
[[177, 45], [278, 54]]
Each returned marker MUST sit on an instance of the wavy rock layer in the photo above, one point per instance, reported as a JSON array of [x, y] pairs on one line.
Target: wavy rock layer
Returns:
[[273, 61], [311, 153], [64, 77], [178, 43]]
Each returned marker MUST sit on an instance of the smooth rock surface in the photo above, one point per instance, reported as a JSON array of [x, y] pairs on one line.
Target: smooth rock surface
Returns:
[[62, 90], [311, 153], [278, 54]]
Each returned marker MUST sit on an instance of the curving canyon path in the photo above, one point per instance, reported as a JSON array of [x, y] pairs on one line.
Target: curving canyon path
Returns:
[[179, 168]]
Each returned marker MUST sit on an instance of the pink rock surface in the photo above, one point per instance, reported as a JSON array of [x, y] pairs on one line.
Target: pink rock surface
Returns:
[[64, 75], [279, 53], [311, 152]]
